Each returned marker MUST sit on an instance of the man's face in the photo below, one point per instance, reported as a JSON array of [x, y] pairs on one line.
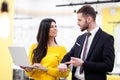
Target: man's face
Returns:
[[82, 22]]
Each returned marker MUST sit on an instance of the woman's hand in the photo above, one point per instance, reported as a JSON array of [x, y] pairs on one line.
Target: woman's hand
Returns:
[[37, 65], [62, 67], [27, 69]]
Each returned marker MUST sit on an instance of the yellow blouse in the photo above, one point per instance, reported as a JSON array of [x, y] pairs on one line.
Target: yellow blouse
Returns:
[[51, 61]]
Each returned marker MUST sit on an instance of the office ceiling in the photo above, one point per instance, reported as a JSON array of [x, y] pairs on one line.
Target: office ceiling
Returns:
[[48, 7]]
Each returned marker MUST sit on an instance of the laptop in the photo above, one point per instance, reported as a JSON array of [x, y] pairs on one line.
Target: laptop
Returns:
[[20, 58]]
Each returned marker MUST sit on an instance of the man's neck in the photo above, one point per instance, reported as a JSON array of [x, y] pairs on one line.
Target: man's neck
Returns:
[[92, 26]]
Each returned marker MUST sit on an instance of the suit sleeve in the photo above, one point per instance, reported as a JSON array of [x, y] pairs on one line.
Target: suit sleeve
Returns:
[[71, 53], [67, 56]]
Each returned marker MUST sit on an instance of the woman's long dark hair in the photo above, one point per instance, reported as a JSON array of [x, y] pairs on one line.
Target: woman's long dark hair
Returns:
[[42, 39]]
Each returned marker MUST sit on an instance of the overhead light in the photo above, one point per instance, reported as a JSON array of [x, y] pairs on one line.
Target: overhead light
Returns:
[[4, 21], [93, 2]]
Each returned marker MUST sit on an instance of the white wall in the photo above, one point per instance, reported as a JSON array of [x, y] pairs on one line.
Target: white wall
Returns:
[[26, 28]]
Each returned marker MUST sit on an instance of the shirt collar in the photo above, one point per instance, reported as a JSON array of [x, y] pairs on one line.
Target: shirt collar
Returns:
[[94, 30]]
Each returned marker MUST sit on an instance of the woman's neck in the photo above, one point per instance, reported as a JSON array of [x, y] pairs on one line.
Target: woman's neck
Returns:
[[52, 42]]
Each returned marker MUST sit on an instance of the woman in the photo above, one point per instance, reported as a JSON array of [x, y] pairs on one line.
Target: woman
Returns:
[[46, 53]]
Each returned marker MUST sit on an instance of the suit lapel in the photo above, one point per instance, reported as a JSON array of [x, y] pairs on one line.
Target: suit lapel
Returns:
[[95, 39], [81, 42]]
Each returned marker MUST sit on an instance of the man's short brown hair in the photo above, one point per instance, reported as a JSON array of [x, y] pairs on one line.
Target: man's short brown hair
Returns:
[[87, 10]]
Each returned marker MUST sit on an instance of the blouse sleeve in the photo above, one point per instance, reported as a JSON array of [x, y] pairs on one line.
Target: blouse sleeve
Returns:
[[34, 71], [54, 71], [57, 73]]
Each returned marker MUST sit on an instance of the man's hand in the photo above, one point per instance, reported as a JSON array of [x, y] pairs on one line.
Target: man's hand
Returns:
[[62, 67], [75, 61]]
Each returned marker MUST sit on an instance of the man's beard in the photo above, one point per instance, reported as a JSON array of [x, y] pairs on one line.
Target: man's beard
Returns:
[[85, 26]]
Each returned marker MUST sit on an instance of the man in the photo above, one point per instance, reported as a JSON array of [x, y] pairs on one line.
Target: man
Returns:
[[99, 57]]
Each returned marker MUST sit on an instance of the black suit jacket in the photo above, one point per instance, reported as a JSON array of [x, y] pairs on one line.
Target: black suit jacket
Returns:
[[100, 58]]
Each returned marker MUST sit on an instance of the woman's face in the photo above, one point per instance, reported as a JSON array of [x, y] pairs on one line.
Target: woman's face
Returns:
[[53, 30]]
